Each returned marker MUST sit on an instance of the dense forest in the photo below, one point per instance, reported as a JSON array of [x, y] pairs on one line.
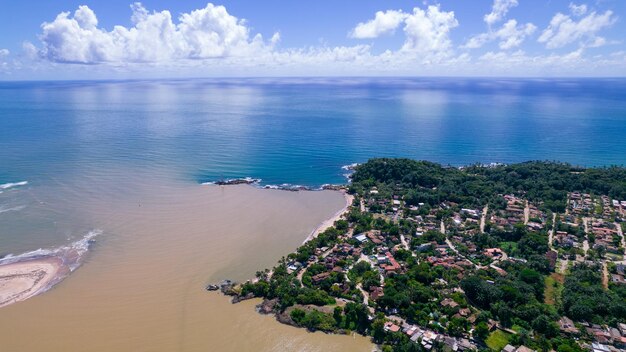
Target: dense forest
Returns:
[[540, 181]]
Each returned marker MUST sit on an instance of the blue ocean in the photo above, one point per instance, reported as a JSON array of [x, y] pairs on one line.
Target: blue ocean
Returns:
[[302, 131]]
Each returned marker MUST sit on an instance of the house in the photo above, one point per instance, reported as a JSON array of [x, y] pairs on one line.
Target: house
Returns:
[[320, 277], [416, 336], [381, 259], [451, 343], [618, 279], [424, 247], [509, 348], [376, 292], [393, 266], [622, 328], [464, 312], [448, 302], [465, 344], [598, 347], [493, 252], [294, 266], [391, 327], [567, 326], [615, 334], [471, 212], [361, 237]]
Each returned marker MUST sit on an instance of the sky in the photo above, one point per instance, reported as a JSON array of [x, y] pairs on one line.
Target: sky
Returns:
[[117, 39]]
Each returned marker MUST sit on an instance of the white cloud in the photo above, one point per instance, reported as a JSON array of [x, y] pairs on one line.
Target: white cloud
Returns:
[[563, 30], [209, 41], [499, 11], [210, 32], [428, 31], [577, 10], [201, 36], [511, 35], [30, 50], [383, 23], [502, 62], [478, 41], [4, 66]]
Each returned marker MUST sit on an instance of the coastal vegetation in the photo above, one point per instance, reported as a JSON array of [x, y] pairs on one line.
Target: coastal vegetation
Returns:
[[429, 257]]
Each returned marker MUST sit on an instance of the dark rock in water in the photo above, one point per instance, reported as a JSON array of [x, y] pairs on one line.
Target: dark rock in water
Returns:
[[238, 298], [285, 318], [212, 288], [333, 187], [228, 288], [267, 306], [238, 181]]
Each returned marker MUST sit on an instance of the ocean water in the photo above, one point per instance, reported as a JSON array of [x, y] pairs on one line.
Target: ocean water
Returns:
[[301, 131], [127, 161]]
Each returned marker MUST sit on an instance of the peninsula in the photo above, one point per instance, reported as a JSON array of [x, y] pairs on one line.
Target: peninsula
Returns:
[[511, 258]]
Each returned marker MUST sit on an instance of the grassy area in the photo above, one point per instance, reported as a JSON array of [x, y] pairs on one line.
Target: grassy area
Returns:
[[554, 287], [517, 328], [497, 340], [509, 247], [614, 257]]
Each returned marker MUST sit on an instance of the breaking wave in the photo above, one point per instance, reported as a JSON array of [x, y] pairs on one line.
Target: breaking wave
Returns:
[[71, 255], [13, 184]]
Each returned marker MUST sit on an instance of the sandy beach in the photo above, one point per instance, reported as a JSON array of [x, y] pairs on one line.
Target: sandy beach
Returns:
[[331, 221], [22, 280]]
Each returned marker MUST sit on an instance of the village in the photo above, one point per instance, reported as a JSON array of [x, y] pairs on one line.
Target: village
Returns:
[[495, 273], [456, 250]]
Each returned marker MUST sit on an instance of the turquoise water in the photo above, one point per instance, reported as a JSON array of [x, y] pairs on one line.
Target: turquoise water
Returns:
[[301, 131]]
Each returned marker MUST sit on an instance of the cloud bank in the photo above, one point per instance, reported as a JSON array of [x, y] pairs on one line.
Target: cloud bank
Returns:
[[211, 41], [206, 33]]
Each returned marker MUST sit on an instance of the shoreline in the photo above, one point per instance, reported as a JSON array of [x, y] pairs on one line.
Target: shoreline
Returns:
[[330, 222], [32, 273], [25, 279]]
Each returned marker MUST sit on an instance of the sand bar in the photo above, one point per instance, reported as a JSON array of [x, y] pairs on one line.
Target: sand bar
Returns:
[[25, 279]]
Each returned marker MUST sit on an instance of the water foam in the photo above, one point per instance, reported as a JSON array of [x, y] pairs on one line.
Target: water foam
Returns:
[[13, 184], [71, 254], [350, 166], [6, 210]]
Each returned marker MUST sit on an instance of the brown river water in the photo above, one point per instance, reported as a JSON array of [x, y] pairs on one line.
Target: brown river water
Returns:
[[141, 287]]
